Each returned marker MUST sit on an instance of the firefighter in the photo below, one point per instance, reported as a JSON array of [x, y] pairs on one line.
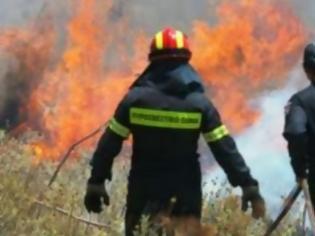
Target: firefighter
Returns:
[[166, 110], [299, 130]]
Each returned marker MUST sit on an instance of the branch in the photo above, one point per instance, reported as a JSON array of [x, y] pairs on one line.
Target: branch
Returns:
[[66, 213], [71, 148], [309, 205]]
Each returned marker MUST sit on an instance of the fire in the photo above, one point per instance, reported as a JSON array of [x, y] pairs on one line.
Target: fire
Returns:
[[251, 48], [30, 50]]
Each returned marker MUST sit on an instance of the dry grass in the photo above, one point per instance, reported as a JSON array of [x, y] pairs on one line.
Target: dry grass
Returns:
[[29, 207]]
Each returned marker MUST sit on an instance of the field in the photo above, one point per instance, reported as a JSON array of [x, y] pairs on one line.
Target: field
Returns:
[[29, 207]]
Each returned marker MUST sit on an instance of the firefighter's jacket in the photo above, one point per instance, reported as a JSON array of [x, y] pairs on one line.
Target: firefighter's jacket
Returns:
[[299, 130], [166, 111]]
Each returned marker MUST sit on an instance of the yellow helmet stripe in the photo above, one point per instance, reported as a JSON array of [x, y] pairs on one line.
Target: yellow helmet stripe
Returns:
[[179, 39], [159, 40]]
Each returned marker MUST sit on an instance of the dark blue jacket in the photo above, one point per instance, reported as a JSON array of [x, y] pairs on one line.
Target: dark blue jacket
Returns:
[[299, 130], [166, 110]]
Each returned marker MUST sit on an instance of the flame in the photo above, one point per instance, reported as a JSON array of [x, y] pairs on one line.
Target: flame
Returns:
[[78, 95], [30, 49], [251, 49]]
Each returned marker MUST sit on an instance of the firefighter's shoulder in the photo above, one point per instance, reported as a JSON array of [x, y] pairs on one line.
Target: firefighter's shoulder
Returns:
[[306, 94], [301, 98], [202, 100], [133, 94]]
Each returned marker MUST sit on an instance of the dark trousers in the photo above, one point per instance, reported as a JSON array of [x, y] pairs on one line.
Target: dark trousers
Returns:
[[171, 196], [311, 183]]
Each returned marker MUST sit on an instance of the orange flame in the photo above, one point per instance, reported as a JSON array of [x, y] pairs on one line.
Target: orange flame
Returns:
[[251, 48], [77, 96]]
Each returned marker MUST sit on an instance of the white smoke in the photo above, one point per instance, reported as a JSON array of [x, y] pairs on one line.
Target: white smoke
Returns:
[[148, 15], [18, 12], [159, 14], [264, 148], [305, 9]]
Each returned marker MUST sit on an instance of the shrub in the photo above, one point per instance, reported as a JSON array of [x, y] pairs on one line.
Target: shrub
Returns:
[[29, 207]]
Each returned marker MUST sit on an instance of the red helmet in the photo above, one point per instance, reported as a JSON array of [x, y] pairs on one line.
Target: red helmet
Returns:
[[170, 44]]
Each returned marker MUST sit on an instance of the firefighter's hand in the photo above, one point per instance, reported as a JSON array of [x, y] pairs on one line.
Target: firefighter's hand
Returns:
[[95, 196], [251, 195]]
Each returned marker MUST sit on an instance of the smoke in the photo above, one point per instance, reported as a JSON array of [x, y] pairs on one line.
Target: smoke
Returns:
[[6, 64], [9, 100], [305, 9], [24, 56], [153, 15], [18, 12], [149, 15], [263, 146]]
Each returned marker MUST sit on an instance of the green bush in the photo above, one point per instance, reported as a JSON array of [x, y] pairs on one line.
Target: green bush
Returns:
[[29, 207]]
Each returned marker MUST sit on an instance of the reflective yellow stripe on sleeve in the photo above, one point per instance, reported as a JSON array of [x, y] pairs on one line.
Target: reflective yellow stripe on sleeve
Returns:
[[118, 128], [216, 134]]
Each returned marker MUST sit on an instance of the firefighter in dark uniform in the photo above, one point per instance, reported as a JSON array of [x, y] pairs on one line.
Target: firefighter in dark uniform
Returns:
[[166, 110], [299, 128]]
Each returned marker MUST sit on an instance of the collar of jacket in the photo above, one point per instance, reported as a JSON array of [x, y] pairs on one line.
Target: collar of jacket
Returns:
[[171, 77]]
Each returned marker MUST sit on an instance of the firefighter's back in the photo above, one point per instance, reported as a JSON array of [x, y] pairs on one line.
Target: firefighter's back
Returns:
[[165, 130], [165, 115]]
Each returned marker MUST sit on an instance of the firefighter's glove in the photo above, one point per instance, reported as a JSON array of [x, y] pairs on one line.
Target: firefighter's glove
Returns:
[[251, 195], [95, 196]]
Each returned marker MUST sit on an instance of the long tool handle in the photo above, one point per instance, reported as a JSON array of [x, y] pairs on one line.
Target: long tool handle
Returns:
[[285, 208], [310, 208]]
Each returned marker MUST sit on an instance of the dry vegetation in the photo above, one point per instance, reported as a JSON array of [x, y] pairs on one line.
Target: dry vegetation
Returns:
[[29, 207]]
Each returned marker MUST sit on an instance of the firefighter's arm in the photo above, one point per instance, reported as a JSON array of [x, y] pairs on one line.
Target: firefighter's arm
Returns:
[[108, 147], [110, 144], [225, 150], [227, 155], [295, 133]]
